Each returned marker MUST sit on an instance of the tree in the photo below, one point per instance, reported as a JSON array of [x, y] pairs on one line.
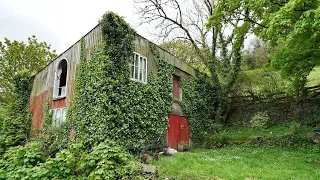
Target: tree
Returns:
[[184, 51], [294, 32], [292, 28], [256, 55], [216, 38], [16, 56]]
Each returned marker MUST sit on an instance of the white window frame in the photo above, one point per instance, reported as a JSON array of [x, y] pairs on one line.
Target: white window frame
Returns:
[[134, 66], [56, 82], [58, 121]]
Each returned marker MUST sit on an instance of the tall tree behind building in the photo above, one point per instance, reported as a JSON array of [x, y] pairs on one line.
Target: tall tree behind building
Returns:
[[16, 56]]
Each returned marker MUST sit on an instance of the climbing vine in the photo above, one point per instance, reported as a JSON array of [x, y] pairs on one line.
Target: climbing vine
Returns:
[[200, 102], [108, 105]]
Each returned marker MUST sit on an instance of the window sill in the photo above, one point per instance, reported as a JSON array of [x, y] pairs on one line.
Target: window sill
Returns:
[[58, 98], [136, 80]]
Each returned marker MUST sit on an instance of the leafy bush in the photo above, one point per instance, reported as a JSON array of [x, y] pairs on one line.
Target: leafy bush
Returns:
[[260, 120], [107, 161], [18, 157], [217, 139]]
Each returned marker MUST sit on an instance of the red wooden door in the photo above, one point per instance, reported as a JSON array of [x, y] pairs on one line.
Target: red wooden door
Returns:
[[178, 131]]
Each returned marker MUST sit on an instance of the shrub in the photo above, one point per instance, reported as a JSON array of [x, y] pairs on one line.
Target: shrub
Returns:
[[107, 161], [260, 120], [216, 140], [20, 157]]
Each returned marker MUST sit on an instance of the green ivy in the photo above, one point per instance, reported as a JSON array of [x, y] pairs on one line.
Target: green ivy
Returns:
[[17, 117], [52, 138], [200, 102], [108, 104]]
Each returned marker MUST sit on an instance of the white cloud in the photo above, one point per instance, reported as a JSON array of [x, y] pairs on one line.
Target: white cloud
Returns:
[[60, 22]]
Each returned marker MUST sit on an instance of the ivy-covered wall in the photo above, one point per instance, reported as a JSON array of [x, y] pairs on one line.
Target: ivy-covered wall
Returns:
[[108, 105], [200, 102], [42, 89], [102, 101]]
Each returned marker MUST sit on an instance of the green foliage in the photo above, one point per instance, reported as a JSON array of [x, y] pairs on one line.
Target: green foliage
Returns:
[[260, 82], [200, 101], [295, 127], [16, 56], [53, 138], [242, 163], [217, 139], [185, 52], [257, 54], [108, 104], [260, 120], [106, 161], [17, 118], [293, 29], [313, 79], [20, 157]]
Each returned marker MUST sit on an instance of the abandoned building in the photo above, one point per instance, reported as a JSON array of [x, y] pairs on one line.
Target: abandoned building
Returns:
[[55, 83]]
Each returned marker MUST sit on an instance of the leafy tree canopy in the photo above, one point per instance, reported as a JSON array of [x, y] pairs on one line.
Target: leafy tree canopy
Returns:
[[16, 56], [290, 26], [294, 30]]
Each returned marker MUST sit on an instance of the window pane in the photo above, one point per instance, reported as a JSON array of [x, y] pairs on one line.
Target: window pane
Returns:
[[64, 115], [132, 72], [144, 64], [145, 76], [136, 73], [136, 60], [140, 77], [141, 64], [58, 116]]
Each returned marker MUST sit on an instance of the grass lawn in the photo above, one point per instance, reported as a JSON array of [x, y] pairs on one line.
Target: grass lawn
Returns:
[[313, 78], [236, 133], [241, 163]]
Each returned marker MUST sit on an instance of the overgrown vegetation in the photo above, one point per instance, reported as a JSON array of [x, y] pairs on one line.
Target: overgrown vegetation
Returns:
[[107, 112], [200, 102], [18, 56], [109, 105], [16, 116], [108, 160]]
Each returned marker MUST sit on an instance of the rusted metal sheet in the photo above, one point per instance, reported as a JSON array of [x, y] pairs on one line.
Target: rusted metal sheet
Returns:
[[37, 109]]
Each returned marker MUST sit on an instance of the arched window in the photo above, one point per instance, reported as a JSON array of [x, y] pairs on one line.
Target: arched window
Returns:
[[60, 82]]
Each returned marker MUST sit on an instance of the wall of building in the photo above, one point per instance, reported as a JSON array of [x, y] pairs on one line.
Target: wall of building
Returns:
[[44, 81]]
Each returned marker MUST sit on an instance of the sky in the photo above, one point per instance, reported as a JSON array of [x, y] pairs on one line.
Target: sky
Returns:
[[59, 22]]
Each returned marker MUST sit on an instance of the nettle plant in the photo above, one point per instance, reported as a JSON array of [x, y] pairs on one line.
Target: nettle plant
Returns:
[[107, 104]]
